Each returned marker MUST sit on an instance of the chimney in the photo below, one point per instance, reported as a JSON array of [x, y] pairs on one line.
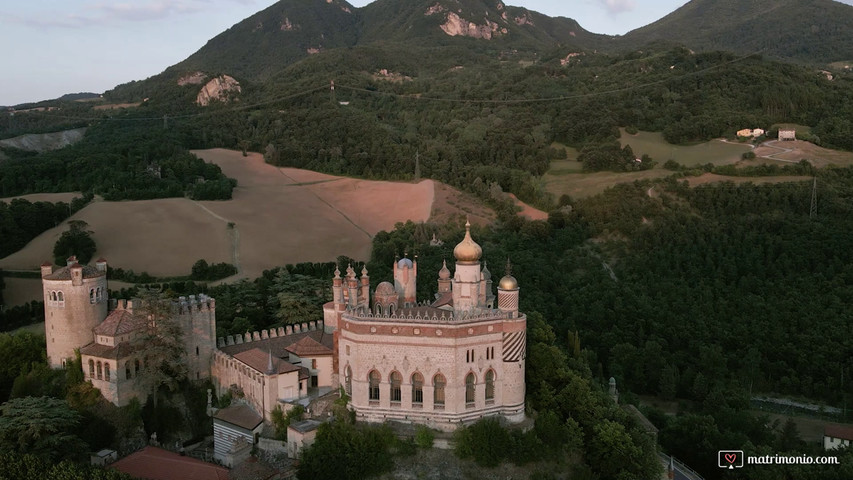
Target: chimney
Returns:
[[46, 269], [101, 264], [71, 260]]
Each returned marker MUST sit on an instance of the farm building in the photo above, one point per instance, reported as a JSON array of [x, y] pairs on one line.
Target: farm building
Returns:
[[789, 134]]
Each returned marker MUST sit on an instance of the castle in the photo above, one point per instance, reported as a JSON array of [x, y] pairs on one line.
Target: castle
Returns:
[[77, 317], [442, 363]]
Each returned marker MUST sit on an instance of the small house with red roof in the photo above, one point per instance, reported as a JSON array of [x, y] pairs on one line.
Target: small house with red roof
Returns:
[[152, 463], [837, 436]]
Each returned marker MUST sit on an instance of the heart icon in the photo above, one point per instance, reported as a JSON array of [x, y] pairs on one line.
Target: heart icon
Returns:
[[731, 457]]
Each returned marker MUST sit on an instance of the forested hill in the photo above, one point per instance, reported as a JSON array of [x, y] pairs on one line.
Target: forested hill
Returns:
[[808, 31], [291, 30]]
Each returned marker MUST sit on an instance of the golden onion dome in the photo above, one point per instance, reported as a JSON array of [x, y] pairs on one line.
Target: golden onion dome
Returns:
[[467, 250], [508, 282]]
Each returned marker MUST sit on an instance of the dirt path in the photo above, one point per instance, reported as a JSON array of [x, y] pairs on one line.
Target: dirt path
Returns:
[[233, 236], [772, 156]]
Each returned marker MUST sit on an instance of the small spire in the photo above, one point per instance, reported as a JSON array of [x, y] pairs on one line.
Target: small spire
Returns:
[[364, 270], [270, 369], [337, 272], [508, 267]]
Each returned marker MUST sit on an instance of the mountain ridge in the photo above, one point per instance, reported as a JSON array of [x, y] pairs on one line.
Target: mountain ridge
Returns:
[[804, 31]]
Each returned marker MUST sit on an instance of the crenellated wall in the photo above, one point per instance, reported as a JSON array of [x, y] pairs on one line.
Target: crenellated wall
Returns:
[[269, 333]]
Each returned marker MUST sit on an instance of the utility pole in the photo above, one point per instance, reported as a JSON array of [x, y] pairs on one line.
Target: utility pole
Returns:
[[813, 211], [417, 165]]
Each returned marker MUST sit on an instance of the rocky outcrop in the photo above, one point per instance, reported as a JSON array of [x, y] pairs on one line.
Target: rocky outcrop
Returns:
[[196, 78], [456, 25], [437, 8], [287, 26], [42, 142], [222, 88], [524, 20]]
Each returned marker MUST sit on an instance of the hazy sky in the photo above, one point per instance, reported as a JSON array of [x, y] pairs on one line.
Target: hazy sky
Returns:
[[53, 47]]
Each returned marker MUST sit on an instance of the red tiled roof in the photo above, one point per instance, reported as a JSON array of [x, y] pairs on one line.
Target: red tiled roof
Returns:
[[119, 322], [843, 432], [154, 463], [64, 273], [445, 298], [121, 350], [241, 415], [308, 347], [259, 360], [279, 345]]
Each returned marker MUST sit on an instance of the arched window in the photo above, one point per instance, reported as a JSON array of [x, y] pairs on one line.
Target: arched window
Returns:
[[135, 367], [396, 391], [60, 297], [417, 388], [91, 295], [490, 385], [100, 375], [53, 296], [107, 372], [373, 390], [348, 381], [438, 383], [378, 309], [469, 389], [127, 371], [91, 368]]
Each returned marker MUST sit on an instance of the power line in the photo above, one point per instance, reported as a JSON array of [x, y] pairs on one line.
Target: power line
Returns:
[[416, 96]]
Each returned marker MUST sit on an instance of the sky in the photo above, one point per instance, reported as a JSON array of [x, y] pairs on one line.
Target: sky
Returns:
[[54, 47]]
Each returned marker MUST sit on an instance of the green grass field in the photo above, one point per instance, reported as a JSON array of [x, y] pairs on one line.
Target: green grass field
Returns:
[[653, 144], [566, 176]]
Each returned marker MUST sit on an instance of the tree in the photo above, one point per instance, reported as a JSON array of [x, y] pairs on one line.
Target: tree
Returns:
[[161, 343], [75, 241], [29, 467], [344, 450], [43, 426]]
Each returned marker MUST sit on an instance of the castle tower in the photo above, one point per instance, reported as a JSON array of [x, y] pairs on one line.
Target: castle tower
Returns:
[[75, 301], [444, 281], [508, 293], [364, 298], [332, 310], [352, 288], [466, 280], [487, 298], [197, 316], [406, 281]]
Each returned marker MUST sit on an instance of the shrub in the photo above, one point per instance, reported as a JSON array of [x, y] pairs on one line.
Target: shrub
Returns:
[[424, 437]]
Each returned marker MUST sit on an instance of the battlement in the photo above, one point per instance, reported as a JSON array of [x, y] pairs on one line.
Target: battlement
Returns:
[[193, 304], [426, 314], [270, 333]]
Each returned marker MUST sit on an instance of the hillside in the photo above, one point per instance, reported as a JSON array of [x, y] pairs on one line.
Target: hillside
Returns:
[[806, 31]]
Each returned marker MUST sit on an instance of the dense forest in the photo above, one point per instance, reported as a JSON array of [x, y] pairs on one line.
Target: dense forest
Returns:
[[468, 120], [22, 220], [129, 157]]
